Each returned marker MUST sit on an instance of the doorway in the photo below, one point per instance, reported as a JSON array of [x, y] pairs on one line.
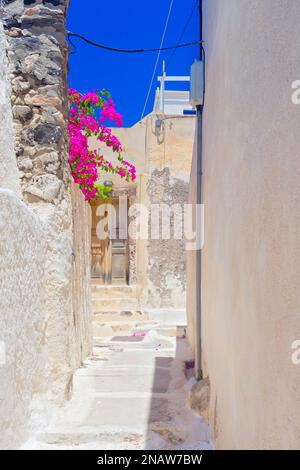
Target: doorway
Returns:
[[109, 245]]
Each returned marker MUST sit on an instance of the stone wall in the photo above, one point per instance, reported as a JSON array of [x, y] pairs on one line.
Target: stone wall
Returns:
[[81, 274], [167, 260], [162, 158], [9, 177], [251, 192], [24, 368], [23, 358], [165, 182], [44, 266], [37, 54]]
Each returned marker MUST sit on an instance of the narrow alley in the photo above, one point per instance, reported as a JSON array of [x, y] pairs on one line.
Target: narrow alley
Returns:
[[131, 394], [149, 229]]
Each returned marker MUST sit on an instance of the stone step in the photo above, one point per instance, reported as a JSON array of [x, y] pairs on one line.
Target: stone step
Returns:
[[114, 304], [107, 292], [136, 325], [112, 328], [121, 316], [122, 343], [130, 394], [108, 330], [103, 438], [170, 316], [159, 435]]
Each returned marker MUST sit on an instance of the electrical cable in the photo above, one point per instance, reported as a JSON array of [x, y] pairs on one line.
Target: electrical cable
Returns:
[[182, 32], [73, 47], [115, 49], [157, 58], [158, 50]]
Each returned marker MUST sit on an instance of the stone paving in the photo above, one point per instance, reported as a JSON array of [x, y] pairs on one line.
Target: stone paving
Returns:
[[131, 394]]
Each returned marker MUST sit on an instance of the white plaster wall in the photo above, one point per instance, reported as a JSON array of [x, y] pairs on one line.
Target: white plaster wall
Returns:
[[23, 362], [60, 332], [45, 316], [41, 144], [251, 191], [81, 275], [67, 304], [191, 255], [23, 359], [163, 160]]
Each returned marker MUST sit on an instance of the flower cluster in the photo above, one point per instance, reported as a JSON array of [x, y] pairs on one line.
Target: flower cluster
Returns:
[[85, 163]]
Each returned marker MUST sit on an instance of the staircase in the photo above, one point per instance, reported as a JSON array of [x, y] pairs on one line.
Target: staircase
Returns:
[[115, 309], [129, 395]]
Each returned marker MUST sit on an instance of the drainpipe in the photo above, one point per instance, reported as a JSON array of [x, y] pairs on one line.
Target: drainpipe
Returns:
[[198, 319], [198, 346]]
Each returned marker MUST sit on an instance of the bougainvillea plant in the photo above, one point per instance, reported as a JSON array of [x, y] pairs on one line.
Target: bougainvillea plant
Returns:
[[88, 116]]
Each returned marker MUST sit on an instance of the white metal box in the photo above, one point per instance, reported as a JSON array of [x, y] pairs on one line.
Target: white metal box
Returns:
[[197, 85]]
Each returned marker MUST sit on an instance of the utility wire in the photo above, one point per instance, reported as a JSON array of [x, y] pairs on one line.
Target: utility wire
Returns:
[[157, 58], [158, 50], [73, 48], [115, 49], [183, 31]]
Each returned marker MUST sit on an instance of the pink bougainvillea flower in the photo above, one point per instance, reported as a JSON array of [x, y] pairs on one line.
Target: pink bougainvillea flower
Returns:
[[85, 163]]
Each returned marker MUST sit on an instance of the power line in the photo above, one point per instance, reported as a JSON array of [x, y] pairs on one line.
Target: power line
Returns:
[[115, 49], [183, 31], [157, 58]]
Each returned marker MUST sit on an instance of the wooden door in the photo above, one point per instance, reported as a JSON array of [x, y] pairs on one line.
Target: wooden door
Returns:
[[110, 255]]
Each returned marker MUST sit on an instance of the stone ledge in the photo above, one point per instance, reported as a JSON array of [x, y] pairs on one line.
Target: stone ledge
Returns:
[[199, 397]]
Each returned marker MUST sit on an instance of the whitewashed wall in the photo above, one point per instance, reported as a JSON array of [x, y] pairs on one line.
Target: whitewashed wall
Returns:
[[23, 360]]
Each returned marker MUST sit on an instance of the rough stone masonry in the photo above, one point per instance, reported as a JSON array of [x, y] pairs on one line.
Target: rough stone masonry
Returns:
[[37, 55]]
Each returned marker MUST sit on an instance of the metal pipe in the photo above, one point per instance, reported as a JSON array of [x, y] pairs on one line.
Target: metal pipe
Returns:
[[198, 319]]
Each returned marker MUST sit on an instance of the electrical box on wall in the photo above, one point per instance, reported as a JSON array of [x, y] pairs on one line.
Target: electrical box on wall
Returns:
[[197, 85]]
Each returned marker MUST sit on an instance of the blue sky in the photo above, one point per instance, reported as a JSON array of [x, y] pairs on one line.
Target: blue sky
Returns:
[[129, 24]]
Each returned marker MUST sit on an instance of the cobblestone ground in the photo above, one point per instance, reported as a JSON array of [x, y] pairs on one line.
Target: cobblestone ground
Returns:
[[131, 394]]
